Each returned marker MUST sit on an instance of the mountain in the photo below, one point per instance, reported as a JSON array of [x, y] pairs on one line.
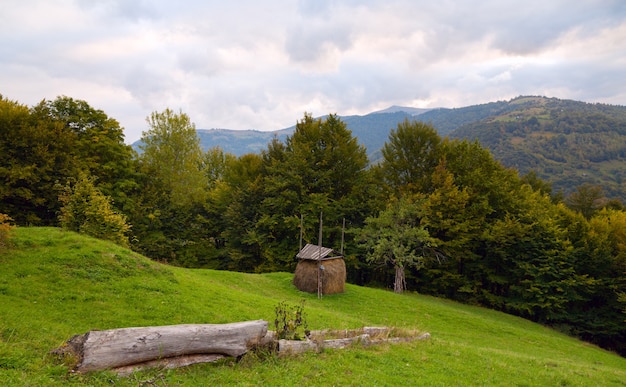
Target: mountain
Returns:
[[567, 143], [410, 110], [372, 130], [239, 142]]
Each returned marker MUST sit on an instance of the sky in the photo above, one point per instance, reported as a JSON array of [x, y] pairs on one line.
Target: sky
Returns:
[[261, 65]]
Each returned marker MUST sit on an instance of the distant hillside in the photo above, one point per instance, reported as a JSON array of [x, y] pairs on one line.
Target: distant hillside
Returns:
[[372, 130], [566, 142], [239, 142]]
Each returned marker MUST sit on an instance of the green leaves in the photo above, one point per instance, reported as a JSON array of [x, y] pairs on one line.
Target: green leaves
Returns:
[[86, 210], [410, 155], [395, 237], [54, 141], [172, 157], [320, 168]]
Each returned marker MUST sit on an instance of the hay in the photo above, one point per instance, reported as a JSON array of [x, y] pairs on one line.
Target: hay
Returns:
[[333, 276]]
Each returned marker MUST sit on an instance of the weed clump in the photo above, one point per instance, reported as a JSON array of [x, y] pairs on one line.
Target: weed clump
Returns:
[[290, 321]]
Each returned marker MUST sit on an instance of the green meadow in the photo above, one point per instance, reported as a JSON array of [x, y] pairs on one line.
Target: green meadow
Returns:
[[55, 284]]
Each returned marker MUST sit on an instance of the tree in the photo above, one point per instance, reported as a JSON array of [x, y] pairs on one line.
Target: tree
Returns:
[[54, 141], [98, 142], [319, 168], [86, 210], [35, 153], [396, 237], [215, 163], [602, 258], [536, 183], [587, 199], [236, 200], [410, 156], [172, 157], [169, 221], [456, 224]]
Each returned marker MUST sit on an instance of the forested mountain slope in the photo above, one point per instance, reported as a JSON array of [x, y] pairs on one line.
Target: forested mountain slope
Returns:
[[372, 130], [567, 143]]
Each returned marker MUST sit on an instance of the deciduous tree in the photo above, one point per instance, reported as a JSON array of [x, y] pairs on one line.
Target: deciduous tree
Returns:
[[587, 199], [396, 237], [98, 142], [410, 156], [170, 219], [35, 153], [172, 157], [319, 168]]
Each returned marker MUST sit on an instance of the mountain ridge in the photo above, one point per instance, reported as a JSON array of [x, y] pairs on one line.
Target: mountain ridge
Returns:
[[566, 142]]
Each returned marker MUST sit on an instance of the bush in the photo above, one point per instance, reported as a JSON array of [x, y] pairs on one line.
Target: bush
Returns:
[[5, 230], [290, 319]]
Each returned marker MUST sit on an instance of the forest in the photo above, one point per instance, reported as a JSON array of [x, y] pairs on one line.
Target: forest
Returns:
[[567, 142], [434, 215]]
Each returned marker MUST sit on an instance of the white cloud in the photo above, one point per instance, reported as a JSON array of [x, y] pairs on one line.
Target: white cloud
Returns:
[[250, 64]]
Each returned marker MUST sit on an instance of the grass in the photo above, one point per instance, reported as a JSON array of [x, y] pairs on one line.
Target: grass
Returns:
[[55, 284]]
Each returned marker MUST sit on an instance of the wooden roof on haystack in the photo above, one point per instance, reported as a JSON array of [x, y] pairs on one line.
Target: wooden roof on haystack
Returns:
[[317, 253]]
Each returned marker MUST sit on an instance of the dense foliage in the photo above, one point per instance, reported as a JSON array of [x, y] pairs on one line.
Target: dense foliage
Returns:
[[86, 210], [436, 215], [51, 142]]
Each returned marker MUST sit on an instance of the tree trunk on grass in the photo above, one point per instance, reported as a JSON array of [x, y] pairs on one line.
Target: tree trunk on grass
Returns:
[[131, 347], [400, 282]]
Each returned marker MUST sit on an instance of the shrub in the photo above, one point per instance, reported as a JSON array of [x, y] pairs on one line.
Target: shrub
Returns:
[[5, 230], [86, 210], [290, 321]]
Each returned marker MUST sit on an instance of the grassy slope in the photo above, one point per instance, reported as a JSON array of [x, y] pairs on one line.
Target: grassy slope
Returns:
[[56, 284]]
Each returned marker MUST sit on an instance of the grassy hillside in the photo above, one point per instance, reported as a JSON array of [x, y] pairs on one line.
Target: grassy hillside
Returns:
[[55, 284]]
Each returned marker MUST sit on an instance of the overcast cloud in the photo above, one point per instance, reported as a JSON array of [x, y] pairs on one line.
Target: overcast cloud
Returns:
[[262, 64]]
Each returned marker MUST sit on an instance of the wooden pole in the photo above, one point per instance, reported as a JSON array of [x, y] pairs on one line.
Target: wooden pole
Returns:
[[319, 261], [343, 229], [301, 230]]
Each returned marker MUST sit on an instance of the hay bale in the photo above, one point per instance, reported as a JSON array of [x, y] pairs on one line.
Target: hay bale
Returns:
[[333, 276]]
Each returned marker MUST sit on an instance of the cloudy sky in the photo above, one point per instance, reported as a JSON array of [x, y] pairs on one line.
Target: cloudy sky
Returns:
[[243, 64]]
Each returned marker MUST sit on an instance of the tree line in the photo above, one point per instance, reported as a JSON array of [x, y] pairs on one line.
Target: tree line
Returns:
[[436, 215]]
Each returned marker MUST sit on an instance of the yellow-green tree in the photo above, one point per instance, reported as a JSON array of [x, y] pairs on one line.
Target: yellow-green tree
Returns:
[[172, 157], [170, 218], [86, 210]]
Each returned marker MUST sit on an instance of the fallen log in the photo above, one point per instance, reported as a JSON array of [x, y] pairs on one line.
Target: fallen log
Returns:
[[125, 347], [168, 363]]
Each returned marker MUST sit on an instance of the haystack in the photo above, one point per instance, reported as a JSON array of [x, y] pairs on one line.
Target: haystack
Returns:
[[316, 261]]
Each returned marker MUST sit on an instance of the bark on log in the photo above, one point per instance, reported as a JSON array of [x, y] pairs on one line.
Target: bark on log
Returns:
[[110, 349], [168, 363]]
